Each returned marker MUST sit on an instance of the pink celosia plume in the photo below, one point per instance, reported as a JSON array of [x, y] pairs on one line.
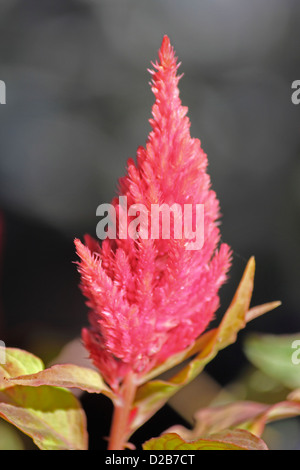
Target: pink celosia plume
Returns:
[[151, 298]]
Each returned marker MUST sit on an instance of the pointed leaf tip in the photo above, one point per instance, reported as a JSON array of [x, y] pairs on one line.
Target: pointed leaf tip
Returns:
[[259, 310], [251, 262]]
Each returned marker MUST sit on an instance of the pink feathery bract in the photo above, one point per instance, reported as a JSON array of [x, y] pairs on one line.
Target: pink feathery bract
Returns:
[[151, 298]]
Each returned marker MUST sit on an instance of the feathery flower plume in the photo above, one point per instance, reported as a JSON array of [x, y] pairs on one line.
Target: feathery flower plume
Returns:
[[151, 298]]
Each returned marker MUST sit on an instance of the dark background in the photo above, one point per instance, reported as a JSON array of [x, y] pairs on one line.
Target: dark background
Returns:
[[78, 104]]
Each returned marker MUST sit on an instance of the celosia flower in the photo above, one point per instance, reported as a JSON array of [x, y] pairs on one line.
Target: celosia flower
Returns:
[[151, 298]]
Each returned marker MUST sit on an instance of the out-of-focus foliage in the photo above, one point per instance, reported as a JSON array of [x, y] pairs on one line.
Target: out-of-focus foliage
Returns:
[[276, 356]]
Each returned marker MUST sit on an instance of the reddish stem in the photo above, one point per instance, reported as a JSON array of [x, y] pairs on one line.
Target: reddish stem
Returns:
[[119, 426]]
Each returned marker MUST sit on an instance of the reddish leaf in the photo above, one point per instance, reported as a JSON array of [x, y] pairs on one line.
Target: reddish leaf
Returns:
[[244, 414]]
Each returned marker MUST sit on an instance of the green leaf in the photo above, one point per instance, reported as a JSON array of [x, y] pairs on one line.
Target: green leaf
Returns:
[[51, 416], [229, 440], [278, 356], [65, 375]]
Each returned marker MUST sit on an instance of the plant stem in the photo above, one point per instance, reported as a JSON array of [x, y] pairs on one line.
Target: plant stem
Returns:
[[119, 426]]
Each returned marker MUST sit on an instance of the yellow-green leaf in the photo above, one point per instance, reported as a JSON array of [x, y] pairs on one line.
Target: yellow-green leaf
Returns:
[[17, 362], [230, 440], [65, 375], [51, 416]]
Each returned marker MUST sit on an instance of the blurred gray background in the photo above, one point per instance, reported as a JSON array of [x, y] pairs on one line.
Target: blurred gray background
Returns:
[[78, 104]]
